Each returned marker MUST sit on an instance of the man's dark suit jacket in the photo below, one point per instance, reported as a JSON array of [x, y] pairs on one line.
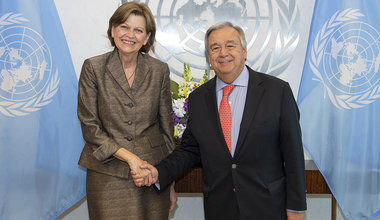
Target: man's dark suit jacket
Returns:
[[266, 175]]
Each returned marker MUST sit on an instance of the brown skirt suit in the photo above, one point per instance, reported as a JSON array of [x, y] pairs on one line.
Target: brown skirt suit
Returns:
[[114, 115]]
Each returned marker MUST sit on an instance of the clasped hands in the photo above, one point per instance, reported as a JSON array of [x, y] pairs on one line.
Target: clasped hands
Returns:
[[145, 175]]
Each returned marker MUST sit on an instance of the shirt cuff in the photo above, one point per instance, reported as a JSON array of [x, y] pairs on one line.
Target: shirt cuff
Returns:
[[157, 184], [290, 210]]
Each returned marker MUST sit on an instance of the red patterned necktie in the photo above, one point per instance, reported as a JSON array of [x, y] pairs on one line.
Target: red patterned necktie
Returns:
[[225, 115]]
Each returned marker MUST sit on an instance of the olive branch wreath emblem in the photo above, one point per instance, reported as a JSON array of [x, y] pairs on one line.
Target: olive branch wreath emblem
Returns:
[[11, 108], [286, 41], [340, 101]]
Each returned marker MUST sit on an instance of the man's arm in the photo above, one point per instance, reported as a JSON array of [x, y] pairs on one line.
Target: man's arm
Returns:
[[292, 149], [176, 163], [180, 160]]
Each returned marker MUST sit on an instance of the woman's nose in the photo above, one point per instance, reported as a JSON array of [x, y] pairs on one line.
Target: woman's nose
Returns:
[[129, 33]]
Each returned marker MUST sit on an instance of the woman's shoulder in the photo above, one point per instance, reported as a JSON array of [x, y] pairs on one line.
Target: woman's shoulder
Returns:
[[152, 60], [100, 57], [99, 61]]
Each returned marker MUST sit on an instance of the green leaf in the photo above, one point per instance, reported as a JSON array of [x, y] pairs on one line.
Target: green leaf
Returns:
[[187, 76], [204, 78], [174, 89]]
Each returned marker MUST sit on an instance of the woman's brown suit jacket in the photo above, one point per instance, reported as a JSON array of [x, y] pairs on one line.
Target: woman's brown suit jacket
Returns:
[[114, 115]]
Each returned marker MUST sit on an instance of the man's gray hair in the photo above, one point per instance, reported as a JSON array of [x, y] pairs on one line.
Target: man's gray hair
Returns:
[[221, 25]]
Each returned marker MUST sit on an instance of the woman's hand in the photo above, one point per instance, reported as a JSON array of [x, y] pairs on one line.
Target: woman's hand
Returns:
[[134, 163], [140, 180]]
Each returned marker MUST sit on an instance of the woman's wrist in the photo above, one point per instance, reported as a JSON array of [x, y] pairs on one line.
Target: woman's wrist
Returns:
[[124, 155]]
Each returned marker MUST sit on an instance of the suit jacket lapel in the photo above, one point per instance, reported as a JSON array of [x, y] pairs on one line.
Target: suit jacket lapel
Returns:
[[254, 94], [115, 68], [142, 70], [211, 100]]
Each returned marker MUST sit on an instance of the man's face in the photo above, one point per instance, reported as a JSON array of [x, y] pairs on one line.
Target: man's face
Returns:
[[225, 53]]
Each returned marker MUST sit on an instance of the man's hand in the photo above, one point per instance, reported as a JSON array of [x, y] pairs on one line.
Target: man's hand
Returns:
[[173, 197], [147, 176], [134, 163], [295, 215]]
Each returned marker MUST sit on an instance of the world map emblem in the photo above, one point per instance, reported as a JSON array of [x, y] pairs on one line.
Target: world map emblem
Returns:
[[27, 79], [345, 58], [181, 26]]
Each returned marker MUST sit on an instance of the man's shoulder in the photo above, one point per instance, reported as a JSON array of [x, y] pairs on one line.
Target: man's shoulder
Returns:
[[267, 79], [205, 87], [263, 76]]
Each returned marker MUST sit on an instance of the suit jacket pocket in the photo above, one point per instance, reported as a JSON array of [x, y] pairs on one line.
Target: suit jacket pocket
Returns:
[[277, 186], [156, 140], [156, 151]]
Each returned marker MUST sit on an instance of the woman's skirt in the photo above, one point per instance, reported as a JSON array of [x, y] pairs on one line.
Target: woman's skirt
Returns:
[[110, 198]]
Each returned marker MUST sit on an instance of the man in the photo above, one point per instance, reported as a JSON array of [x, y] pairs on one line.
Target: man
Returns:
[[253, 164]]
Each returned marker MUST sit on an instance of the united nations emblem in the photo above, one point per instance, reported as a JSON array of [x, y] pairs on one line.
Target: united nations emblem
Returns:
[[345, 58], [271, 29], [26, 80]]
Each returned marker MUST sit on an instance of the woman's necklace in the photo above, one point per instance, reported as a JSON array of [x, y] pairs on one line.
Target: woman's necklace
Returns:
[[128, 78]]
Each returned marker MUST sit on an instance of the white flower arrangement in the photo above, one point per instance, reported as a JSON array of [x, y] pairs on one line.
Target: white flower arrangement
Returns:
[[180, 93]]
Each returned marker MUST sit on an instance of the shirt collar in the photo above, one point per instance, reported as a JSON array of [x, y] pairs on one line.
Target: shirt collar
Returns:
[[241, 80]]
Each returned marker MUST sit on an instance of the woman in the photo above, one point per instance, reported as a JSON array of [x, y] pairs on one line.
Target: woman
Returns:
[[124, 106]]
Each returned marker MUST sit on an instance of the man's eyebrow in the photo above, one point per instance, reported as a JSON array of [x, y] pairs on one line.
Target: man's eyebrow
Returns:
[[227, 42], [213, 44], [231, 41]]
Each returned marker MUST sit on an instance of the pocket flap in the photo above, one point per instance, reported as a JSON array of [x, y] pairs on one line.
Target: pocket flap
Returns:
[[156, 140], [277, 186]]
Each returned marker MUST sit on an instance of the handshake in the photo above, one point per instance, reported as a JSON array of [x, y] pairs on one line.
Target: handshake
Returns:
[[145, 175]]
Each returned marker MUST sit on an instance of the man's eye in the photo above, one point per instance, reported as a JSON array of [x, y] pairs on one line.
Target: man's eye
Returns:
[[231, 46], [214, 49]]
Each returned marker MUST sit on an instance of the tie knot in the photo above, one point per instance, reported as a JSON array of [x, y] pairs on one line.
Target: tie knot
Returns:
[[227, 89]]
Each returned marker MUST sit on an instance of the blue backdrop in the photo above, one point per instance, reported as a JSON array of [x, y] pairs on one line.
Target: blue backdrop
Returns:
[[40, 136]]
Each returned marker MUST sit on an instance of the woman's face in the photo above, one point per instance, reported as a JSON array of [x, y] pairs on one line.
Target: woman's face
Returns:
[[131, 35]]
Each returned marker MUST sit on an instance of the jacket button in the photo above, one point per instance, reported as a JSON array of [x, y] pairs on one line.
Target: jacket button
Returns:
[[129, 138], [234, 166]]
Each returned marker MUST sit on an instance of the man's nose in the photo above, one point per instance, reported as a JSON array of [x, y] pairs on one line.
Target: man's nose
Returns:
[[223, 51]]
